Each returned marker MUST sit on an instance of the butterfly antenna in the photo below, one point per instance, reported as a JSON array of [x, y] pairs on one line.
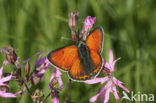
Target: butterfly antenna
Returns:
[[64, 38]]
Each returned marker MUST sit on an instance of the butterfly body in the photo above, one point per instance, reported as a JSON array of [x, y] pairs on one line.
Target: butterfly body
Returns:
[[85, 58], [81, 60]]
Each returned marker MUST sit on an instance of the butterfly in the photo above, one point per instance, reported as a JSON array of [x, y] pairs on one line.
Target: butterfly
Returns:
[[82, 60]]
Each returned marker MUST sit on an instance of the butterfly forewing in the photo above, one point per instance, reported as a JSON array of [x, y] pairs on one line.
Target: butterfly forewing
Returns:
[[64, 57], [95, 40]]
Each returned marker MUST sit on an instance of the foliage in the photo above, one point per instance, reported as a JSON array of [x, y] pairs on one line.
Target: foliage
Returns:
[[40, 25]]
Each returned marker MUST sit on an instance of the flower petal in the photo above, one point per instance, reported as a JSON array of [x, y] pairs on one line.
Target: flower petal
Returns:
[[55, 100], [58, 75], [39, 74], [7, 95], [5, 79], [2, 84], [109, 66], [119, 83], [109, 83], [60, 82], [113, 63], [42, 64], [116, 60], [115, 92], [110, 56], [1, 70], [97, 80], [51, 78], [40, 61], [107, 95], [89, 21], [94, 98]]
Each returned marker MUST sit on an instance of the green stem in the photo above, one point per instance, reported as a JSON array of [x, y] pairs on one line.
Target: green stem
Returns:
[[68, 91]]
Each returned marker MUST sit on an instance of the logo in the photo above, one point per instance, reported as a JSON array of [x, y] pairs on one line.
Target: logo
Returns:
[[137, 96]]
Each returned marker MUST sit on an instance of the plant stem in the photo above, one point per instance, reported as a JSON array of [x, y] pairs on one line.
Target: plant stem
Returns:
[[67, 93], [27, 88], [46, 97]]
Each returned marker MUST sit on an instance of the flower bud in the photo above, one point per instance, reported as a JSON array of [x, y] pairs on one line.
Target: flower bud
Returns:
[[88, 23], [11, 55], [73, 16], [27, 69]]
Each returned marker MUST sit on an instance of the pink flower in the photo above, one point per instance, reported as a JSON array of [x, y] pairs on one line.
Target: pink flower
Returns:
[[55, 100], [89, 21], [112, 82], [56, 77], [55, 96], [41, 65], [88, 24], [10, 54], [3, 83]]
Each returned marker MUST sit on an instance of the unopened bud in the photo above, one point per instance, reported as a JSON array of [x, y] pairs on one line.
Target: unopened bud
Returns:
[[27, 69], [73, 16], [11, 55]]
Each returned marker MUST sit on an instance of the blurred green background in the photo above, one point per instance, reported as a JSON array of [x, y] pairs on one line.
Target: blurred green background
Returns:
[[40, 25]]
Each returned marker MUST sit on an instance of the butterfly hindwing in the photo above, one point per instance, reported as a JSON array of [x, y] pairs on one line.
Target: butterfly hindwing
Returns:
[[77, 71], [64, 57]]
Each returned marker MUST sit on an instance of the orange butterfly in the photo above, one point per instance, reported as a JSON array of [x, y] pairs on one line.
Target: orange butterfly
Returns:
[[81, 60]]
